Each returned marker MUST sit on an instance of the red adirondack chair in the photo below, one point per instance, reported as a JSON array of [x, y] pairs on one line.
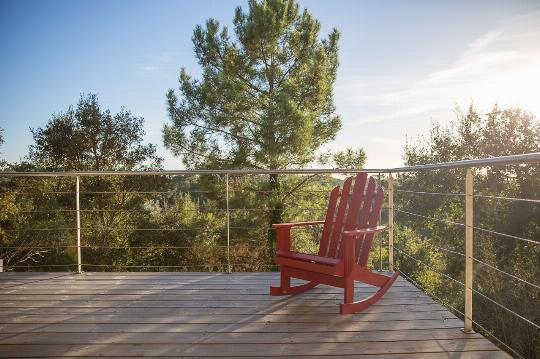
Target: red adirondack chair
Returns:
[[348, 232]]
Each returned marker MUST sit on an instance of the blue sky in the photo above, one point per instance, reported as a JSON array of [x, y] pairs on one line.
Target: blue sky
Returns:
[[403, 64]]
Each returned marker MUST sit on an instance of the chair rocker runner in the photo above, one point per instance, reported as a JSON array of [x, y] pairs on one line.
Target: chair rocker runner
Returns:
[[348, 231]]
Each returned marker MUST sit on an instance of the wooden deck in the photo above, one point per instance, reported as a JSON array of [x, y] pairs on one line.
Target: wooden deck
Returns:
[[218, 315]]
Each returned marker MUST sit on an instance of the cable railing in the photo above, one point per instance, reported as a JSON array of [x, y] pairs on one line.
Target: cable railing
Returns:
[[87, 210], [239, 229], [473, 264]]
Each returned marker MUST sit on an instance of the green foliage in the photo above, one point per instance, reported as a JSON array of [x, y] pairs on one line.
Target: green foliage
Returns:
[[497, 133], [36, 224], [83, 139], [88, 138], [347, 159], [3, 162], [265, 98]]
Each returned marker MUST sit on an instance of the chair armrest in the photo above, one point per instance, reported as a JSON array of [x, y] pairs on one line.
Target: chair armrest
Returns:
[[296, 224], [360, 232], [283, 231]]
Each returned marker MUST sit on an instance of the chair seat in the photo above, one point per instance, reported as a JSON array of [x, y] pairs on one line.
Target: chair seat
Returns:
[[327, 265], [309, 257]]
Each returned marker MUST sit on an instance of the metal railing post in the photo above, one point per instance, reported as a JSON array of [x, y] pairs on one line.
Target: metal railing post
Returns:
[[468, 250], [380, 237], [228, 224], [79, 263], [390, 222]]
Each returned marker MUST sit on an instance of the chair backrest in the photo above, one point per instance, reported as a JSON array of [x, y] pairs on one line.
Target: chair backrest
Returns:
[[356, 205]]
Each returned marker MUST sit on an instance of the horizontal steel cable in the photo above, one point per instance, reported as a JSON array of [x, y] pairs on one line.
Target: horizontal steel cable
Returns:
[[401, 272], [430, 243], [104, 229], [430, 218], [40, 229], [49, 211], [93, 229], [530, 200], [474, 290], [490, 334], [507, 198], [180, 192], [122, 247], [506, 235], [145, 192], [445, 249], [48, 192], [427, 266], [430, 193], [172, 266], [506, 308], [143, 247], [134, 266], [36, 247], [508, 274], [267, 191], [487, 332], [161, 247], [40, 266], [187, 210], [199, 209]]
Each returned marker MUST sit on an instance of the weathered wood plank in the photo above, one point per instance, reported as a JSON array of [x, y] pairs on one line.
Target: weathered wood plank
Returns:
[[217, 318], [70, 276], [284, 310], [248, 349], [232, 338], [164, 285], [202, 314], [246, 326], [147, 284], [199, 304], [191, 296], [74, 280], [171, 276], [202, 291]]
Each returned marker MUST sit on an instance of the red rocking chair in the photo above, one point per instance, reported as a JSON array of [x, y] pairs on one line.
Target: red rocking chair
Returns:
[[348, 232]]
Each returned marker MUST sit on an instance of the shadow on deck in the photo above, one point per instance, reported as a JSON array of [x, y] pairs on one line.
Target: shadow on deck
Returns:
[[221, 315]]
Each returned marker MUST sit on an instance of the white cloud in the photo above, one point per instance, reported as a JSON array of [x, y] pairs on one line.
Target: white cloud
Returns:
[[161, 62], [380, 112], [386, 141], [147, 68], [502, 66]]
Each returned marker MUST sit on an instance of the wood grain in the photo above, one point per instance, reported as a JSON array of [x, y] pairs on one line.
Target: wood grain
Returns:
[[218, 315]]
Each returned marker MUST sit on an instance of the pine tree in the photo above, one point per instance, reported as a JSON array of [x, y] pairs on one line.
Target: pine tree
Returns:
[[265, 99]]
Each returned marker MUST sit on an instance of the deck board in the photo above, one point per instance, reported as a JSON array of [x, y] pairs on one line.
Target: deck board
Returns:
[[218, 315]]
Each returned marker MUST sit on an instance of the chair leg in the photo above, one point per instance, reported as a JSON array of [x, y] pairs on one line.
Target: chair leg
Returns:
[[348, 292], [286, 289], [296, 289], [284, 284], [350, 308]]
